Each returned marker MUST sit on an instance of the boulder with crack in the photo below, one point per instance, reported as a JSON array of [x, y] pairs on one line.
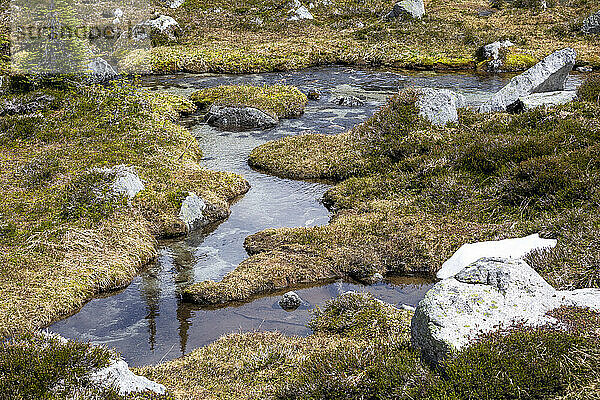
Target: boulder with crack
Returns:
[[487, 295], [439, 106], [548, 75]]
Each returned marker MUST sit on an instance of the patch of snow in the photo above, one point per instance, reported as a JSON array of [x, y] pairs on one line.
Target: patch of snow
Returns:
[[508, 248]]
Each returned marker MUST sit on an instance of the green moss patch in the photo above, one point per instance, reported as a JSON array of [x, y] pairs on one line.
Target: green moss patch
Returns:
[[590, 89], [279, 101]]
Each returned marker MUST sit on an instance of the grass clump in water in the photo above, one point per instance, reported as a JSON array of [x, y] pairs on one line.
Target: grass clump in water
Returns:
[[277, 100]]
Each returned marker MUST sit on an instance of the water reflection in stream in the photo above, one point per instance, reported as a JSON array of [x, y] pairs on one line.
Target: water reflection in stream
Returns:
[[148, 323]]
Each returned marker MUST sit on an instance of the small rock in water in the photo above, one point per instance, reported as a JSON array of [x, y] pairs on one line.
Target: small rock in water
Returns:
[[347, 101], [290, 301], [239, 118], [313, 95], [377, 277]]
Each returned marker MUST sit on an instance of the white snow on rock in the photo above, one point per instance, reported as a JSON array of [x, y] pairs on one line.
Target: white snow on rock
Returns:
[[483, 297], [192, 211], [119, 377], [549, 75], [507, 248], [439, 106]]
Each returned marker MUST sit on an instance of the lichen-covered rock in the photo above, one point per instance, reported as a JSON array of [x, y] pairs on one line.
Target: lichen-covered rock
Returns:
[[192, 212], [548, 99], [99, 70], [439, 106], [162, 28], [407, 9], [290, 301], [126, 182], [118, 376], [548, 75], [487, 295], [591, 25], [239, 118], [491, 52]]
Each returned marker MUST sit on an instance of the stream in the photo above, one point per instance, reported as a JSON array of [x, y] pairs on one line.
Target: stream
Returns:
[[148, 323]]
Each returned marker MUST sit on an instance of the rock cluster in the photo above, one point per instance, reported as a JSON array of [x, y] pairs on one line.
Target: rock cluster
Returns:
[[548, 75]]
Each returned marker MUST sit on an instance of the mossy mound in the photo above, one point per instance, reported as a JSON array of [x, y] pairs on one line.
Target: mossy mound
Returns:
[[277, 100], [65, 234]]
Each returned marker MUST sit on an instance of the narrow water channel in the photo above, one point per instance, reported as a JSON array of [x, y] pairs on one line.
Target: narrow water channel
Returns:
[[148, 323]]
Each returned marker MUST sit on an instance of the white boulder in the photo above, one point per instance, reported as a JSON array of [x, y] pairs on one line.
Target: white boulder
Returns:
[[125, 180], [548, 75], [300, 13], [161, 27], [407, 9], [485, 296], [119, 377], [99, 70], [439, 106], [507, 248], [192, 212]]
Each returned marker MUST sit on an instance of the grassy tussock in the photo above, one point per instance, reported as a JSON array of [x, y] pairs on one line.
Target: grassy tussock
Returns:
[[256, 37], [64, 235], [278, 100]]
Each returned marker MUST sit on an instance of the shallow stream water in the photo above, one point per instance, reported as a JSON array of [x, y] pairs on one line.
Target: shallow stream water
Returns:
[[148, 323]]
